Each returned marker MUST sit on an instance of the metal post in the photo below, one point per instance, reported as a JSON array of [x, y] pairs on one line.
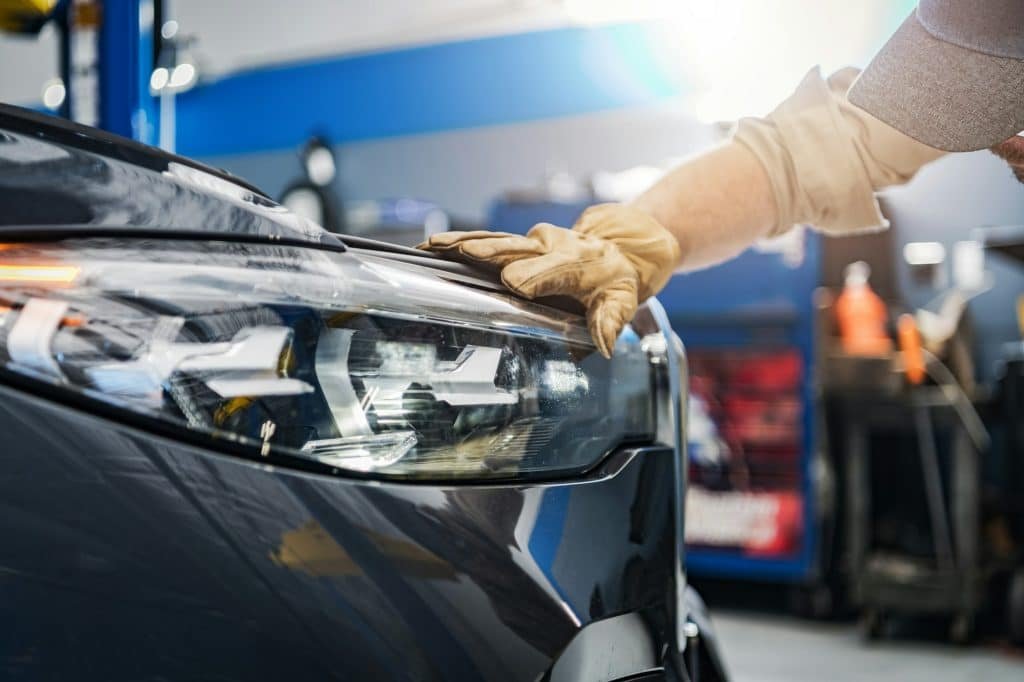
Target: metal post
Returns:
[[858, 513], [125, 67], [168, 122], [927, 451], [966, 503], [62, 20]]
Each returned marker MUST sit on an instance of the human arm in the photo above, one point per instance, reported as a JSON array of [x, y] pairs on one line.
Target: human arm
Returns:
[[715, 204], [815, 160]]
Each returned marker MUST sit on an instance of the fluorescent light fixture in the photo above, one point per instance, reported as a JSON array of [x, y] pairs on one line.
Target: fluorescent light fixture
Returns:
[[183, 76], [54, 94], [169, 29], [159, 78], [179, 79], [320, 166], [924, 253]]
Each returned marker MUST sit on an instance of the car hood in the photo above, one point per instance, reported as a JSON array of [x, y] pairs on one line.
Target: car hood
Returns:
[[70, 178], [60, 179]]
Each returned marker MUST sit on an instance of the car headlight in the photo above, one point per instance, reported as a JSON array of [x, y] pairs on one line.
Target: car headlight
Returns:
[[356, 364]]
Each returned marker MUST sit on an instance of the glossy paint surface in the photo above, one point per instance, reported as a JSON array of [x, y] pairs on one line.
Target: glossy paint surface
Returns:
[[56, 174], [129, 556]]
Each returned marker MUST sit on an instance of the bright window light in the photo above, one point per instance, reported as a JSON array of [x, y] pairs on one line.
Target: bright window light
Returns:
[[742, 57]]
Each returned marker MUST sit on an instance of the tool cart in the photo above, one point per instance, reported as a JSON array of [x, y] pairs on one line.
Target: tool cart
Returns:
[[912, 521]]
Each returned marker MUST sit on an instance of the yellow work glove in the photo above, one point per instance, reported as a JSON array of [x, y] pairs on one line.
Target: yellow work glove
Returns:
[[614, 258]]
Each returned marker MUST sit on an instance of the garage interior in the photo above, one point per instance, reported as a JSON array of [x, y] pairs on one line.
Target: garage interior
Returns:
[[850, 513]]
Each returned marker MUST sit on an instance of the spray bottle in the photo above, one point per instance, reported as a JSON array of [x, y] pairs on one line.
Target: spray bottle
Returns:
[[861, 314]]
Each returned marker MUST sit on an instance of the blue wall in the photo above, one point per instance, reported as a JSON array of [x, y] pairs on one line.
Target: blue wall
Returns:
[[468, 84]]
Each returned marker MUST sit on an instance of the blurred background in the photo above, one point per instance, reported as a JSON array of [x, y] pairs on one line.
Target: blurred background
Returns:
[[832, 500]]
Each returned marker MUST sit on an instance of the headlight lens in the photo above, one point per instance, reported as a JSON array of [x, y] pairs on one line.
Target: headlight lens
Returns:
[[355, 363]]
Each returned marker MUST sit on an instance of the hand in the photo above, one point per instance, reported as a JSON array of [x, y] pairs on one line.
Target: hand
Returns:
[[614, 258]]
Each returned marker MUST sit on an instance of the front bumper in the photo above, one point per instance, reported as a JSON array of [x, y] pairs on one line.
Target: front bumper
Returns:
[[130, 556]]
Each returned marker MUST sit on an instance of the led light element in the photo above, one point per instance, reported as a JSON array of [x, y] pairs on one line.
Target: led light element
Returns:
[[467, 380], [41, 274], [244, 366], [29, 341], [362, 453]]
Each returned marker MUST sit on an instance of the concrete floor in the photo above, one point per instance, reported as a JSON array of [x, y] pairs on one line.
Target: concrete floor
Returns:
[[763, 648]]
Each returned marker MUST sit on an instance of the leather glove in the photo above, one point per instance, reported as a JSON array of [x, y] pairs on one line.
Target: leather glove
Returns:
[[613, 258]]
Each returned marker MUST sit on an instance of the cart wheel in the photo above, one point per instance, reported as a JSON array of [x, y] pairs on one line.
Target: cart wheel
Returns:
[[961, 629], [873, 625], [1015, 608]]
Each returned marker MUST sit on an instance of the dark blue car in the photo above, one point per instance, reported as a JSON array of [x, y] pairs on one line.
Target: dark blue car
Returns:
[[236, 446]]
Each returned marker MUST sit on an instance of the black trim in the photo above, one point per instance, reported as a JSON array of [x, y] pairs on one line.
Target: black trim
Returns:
[[357, 242], [479, 277]]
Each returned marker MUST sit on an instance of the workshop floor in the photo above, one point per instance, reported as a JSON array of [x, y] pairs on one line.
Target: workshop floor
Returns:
[[768, 648]]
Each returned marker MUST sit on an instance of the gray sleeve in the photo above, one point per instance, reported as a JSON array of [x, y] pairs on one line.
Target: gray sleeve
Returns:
[[826, 158]]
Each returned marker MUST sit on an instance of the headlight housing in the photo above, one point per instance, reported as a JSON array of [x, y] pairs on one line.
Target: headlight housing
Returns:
[[350, 363]]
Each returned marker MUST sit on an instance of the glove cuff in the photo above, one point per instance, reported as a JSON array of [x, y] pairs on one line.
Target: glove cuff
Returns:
[[653, 251]]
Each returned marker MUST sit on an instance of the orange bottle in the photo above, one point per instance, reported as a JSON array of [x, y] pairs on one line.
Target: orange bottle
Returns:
[[861, 314], [910, 344]]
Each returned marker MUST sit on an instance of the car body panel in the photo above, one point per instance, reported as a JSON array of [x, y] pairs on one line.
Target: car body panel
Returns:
[[239, 569]]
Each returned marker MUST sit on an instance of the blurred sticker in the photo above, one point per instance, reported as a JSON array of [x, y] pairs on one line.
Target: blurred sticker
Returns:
[[759, 523]]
